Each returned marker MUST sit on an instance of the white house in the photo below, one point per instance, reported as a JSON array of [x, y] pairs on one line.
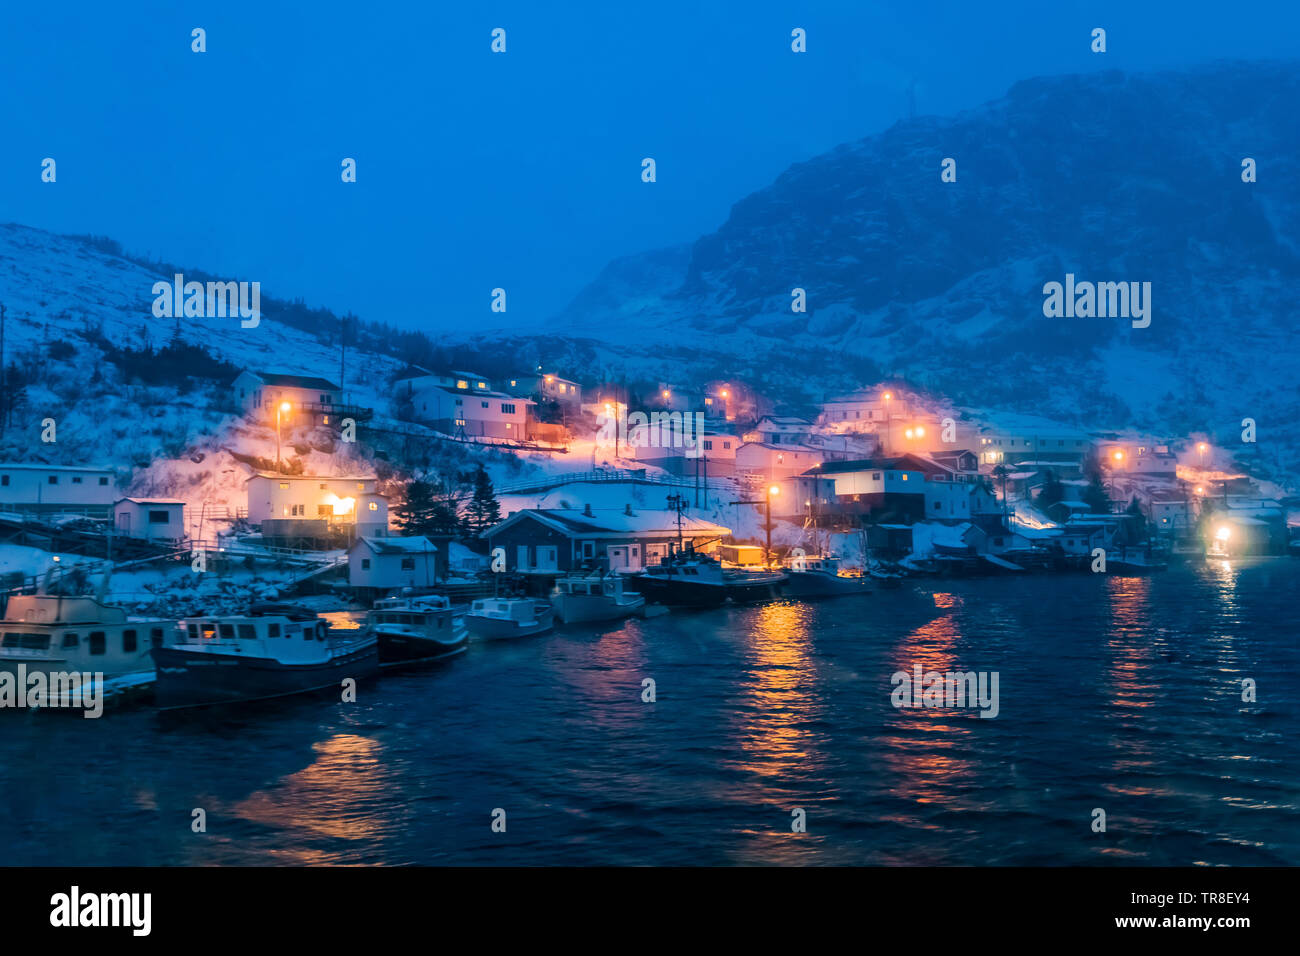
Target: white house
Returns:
[[389, 563], [761, 461], [154, 519], [712, 453], [293, 399], [51, 487], [1033, 443], [546, 387], [465, 405], [774, 430], [335, 500]]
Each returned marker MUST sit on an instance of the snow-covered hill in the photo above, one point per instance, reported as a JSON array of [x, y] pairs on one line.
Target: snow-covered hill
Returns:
[[1108, 176]]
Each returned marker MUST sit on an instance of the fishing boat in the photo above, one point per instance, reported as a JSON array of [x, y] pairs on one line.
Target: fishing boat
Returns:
[[819, 576], [416, 630], [495, 618], [594, 596], [272, 651], [690, 579], [58, 635], [1134, 561]]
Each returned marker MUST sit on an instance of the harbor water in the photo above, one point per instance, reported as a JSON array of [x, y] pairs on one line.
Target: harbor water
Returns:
[[1119, 694]]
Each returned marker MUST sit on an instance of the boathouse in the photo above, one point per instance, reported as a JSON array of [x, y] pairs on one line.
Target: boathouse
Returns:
[[556, 540]]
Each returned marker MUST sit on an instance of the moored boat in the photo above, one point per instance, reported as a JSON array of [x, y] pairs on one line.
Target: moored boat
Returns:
[[1134, 561], [272, 651], [416, 630], [691, 579], [54, 634], [594, 596], [496, 618], [819, 576]]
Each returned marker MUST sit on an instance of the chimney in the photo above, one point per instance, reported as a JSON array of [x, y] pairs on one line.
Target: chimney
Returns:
[[586, 511], [627, 509]]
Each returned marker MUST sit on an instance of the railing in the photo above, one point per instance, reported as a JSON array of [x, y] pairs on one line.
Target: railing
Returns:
[[358, 412], [638, 476]]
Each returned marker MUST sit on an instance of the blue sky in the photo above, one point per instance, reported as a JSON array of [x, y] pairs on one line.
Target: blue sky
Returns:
[[478, 170]]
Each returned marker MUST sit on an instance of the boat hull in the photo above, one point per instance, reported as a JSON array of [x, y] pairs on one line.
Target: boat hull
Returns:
[[679, 592], [585, 609], [498, 628], [812, 584], [402, 649], [198, 679]]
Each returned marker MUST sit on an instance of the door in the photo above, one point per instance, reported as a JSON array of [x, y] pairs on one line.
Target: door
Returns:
[[618, 558], [521, 558], [124, 522], [546, 557]]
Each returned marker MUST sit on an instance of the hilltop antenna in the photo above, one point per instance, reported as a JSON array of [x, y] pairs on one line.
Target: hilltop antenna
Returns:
[[4, 384]]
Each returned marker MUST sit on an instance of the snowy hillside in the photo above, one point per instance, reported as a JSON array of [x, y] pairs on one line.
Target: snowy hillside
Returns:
[[74, 314], [1108, 176]]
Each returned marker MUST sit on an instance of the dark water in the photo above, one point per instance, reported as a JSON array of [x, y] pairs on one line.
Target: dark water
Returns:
[[1118, 693]]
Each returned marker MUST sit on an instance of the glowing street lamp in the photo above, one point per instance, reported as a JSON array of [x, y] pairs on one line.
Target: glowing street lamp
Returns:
[[1202, 448], [280, 410], [772, 492]]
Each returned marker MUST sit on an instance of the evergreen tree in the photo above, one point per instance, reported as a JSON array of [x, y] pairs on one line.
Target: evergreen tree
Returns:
[[1138, 520], [1052, 492], [415, 514], [482, 512], [1095, 497]]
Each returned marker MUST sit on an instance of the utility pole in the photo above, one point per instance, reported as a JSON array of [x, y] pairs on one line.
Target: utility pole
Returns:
[[4, 383], [343, 356], [678, 503], [767, 503]]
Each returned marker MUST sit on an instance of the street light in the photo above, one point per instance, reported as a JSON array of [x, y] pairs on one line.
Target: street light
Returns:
[[889, 422], [282, 409], [772, 492], [1202, 448]]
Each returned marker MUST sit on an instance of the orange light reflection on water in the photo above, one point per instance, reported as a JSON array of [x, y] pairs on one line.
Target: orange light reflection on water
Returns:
[[913, 754]]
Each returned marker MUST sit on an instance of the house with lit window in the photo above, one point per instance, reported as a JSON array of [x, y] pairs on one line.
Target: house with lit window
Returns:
[[1139, 457], [711, 454], [52, 488], [1030, 443], [465, 405], [293, 400], [545, 387], [763, 462], [779, 430], [892, 489], [382, 564], [316, 506], [152, 519], [554, 540]]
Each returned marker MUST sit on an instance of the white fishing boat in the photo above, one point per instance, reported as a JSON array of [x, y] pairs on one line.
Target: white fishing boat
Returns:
[[416, 630], [272, 651], [594, 596], [495, 618], [55, 634], [810, 576]]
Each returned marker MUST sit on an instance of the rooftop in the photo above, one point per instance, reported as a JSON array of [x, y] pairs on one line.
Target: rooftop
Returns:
[[295, 381]]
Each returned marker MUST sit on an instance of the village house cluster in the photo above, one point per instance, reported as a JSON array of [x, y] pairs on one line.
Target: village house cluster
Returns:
[[910, 475]]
